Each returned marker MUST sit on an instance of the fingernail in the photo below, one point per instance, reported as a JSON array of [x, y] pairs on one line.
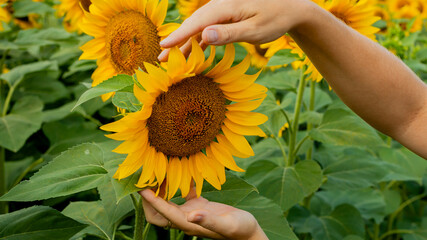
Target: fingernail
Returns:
[[212, 36], [162, 55]]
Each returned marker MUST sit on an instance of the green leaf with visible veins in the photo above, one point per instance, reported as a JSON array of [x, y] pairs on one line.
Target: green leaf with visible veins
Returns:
[[286, 186], [37, 223], [78, 169], [113, 84], [24, 120]]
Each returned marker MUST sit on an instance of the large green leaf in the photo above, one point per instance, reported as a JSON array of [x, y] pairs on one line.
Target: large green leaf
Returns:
[[340, 127], [282, 57], [286, 186], [126, 100], [69, 132], [17, 74], [122, 187], [78, 169], [24, 120], [343, 221], [15, 168], [113, 84], [404, 165], [240, 194], [371, 203], [37, 223], [90, 213], [351, 168], [24, 7]]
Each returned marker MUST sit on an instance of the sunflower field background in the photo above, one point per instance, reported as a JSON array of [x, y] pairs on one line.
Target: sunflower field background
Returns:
[[317, 171]]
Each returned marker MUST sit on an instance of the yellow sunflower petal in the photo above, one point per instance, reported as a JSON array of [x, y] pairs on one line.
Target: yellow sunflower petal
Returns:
[[159, 14], [168, 28], [246, 118], [231, 75], [131, 164], [221, 154], [176, 62], [238, 83], [197, 57], [93, 48], [243, 130], [208, 61], [202, 163], [161, 167], [238, 141], [149, 165], [186, 177], [197, 176], [245, 106], [224, 142], [174, 176], [225, 63]]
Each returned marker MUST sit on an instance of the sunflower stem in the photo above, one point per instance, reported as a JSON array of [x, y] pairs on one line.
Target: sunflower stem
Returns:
[[3, 205], [311, 108], [297, 110], [139, 219]]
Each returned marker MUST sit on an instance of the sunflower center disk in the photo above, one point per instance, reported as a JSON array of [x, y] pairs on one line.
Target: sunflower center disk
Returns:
[[187, 118], [132, 39]]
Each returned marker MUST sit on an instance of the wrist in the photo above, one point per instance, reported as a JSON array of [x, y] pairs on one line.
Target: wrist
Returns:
[[258, 234]]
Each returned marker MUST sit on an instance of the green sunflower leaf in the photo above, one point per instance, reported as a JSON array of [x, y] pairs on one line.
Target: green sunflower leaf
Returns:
[[37, 223], [24, 120], [113, 84], [286, 186], [340, 127], [282, 57], [78, 169], [345, 220]]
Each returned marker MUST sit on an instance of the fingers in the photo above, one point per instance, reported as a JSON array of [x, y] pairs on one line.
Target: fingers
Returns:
[[210, 221], [228, 33], [211, 13]]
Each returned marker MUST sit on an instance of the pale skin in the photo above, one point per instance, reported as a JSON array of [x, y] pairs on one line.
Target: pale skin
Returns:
[[374, 83]]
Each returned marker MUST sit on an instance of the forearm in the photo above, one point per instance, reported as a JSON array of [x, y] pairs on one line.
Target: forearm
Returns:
[[371, 81]]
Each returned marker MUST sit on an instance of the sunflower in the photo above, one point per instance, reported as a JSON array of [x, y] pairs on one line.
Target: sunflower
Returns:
[[405, 9], [126, 34], [73, 13], [357, 14], [188, 7], [191, 123], [25, 22], [4, 14], [261, 54]]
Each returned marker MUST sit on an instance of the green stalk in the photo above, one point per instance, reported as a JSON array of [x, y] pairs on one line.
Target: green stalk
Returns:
[[401, 207], [311, 108], [397, 231], [139, 219], [3, 205], [295, 125], [281, 149]]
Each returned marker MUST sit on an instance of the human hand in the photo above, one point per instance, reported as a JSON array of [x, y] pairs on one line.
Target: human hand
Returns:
[[224, 21], [200, 217]]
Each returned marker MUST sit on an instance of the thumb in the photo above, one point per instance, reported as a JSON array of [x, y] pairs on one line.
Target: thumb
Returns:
[[209, 221], [227, 33]]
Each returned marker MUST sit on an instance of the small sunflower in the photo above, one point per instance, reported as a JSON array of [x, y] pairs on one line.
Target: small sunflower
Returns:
[[191, 123], [261, 54], [126, 34], [73, 13], [405, 9], [4, 14], [188, 7], [357, 14]]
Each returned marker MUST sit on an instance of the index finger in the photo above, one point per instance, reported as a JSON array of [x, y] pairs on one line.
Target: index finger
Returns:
[[209, 14]]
